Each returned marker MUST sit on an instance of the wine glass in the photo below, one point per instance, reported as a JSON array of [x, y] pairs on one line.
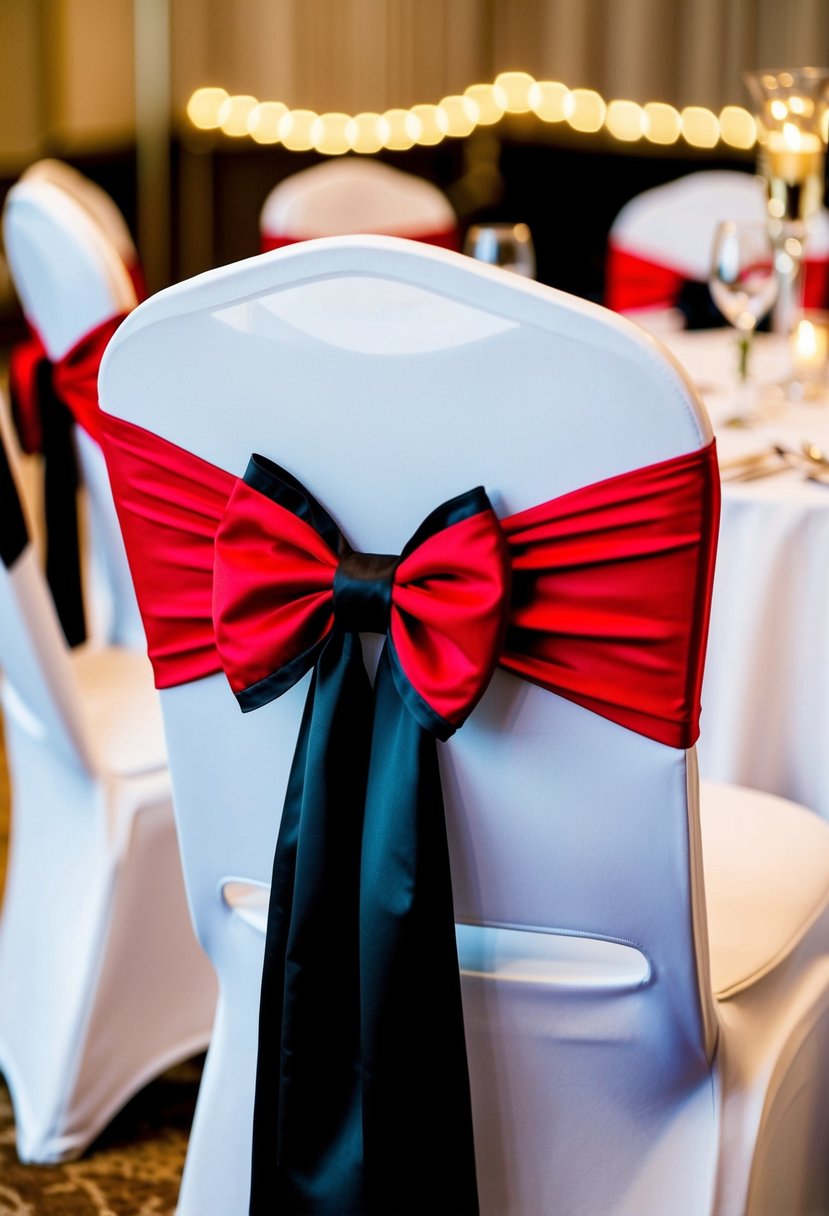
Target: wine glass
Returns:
[[509, 246], [744, 286]]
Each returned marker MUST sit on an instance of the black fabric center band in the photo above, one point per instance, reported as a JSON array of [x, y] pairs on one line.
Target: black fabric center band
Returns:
[[362, 591]]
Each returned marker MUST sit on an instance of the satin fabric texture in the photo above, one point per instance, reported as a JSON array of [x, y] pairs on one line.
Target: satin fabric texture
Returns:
[[600, 595], [633, 282], [610, 582]]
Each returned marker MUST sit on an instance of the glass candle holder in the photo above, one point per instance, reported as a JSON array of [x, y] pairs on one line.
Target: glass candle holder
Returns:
[[791, 111], [810, 354]]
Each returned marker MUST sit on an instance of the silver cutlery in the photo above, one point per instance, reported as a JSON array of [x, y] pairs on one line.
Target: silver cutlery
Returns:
[[810, 460]]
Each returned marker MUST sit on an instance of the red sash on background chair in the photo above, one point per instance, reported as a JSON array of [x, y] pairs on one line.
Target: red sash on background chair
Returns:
[[601, 595], [633, 282], [46, 398], [447, 239]]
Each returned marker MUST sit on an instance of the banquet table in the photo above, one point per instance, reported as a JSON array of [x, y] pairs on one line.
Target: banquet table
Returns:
[[765, 697]]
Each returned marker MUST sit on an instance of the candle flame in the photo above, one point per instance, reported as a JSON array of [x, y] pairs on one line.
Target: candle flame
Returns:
[[806, 339], [791, 137]]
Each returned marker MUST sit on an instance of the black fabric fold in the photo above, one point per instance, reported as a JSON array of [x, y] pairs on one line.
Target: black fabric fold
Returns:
[[417, 1108], [307, 1132], [60, 507], [362, 1103], [13, 532]]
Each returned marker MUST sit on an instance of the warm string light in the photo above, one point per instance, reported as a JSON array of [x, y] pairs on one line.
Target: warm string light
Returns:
[[480, 105]]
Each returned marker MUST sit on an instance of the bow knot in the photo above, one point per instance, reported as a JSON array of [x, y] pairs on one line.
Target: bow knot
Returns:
[[285, 581], [362, 591]]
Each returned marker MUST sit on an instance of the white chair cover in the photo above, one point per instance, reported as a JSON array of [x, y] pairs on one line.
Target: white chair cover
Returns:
[[102, 983], [355, 195], [609, 1074], [95, 201], [70, 278]]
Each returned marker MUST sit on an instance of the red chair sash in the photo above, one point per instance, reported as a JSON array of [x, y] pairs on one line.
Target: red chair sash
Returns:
[[635, 282], [612, 582], [448, 238], [74, 381], [46, 398]]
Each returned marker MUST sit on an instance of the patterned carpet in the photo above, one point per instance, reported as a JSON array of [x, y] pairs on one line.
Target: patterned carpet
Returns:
[[133, 1169]]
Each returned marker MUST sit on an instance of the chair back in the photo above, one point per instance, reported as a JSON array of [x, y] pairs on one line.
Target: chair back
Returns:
[[70, 279], [389, 377], [672, 227], [40, 694], [347, 196], [95, 201]]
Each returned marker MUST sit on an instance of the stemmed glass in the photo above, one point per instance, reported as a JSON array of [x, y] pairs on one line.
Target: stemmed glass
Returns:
[[509, 246], [744, 286]]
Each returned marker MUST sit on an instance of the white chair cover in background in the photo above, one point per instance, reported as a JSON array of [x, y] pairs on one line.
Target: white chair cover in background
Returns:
[[626, 1056], [665, 235], [95, 201], [70, 278], [102, 982], [340, 197]]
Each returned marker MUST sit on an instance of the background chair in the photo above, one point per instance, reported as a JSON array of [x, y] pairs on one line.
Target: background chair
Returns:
[[627, 1055], [70, 278], [100, 207], [662, 240], [356, 195], [102, 983]]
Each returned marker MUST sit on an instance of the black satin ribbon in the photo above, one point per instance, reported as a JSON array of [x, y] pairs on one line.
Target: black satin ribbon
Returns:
[[13, 533], [60, 508], [362, 1103]]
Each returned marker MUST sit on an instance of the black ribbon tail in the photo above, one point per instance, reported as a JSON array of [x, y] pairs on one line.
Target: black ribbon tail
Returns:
[[14, 535], [417, 1117], [60, 485], [307, 1130]]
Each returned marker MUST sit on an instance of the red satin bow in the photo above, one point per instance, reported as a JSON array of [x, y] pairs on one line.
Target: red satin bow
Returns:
[[274, 599], [611, 584]]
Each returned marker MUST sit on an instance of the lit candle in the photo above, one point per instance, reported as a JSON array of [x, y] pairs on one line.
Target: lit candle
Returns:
[[793, 155], [811, 347]]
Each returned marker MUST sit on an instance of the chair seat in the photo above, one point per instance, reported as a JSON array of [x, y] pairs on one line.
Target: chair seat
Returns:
[[758, 909], [123, 710]]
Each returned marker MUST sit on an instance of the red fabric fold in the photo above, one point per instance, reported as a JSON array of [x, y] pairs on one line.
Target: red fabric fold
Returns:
[[611, 584], [74, 379], [633, 282], [75, 376], [273, 597], [612, 592], [448, 238]]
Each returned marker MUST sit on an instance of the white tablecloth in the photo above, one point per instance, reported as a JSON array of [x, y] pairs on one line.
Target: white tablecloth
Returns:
[[765, 717]]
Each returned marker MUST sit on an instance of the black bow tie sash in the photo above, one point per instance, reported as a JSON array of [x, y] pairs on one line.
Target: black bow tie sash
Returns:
[[362, 1094]]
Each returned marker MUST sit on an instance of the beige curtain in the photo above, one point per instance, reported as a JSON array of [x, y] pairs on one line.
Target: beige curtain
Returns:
[[372, 54], [67, 80]]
